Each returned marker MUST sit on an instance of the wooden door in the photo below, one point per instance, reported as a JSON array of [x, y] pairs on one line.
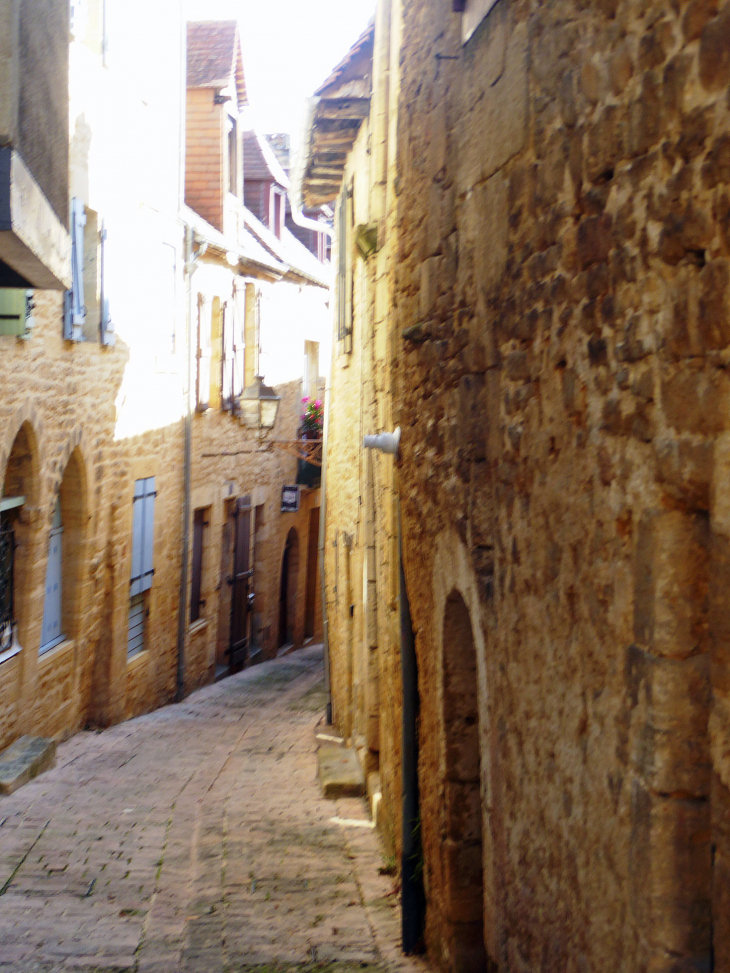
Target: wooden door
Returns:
[[240, 582]]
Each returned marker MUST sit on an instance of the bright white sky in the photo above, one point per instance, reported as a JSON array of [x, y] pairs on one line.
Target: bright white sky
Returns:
[[289, 48]]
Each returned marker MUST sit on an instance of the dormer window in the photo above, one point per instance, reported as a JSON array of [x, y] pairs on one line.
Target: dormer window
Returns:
[[277, 211], [473, 13]]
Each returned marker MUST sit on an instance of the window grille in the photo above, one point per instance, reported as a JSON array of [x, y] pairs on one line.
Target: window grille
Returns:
[[136, 626], [7, 558]]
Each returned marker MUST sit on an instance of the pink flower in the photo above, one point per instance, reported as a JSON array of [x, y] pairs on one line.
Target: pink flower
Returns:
[[305, 400], [318, 404]]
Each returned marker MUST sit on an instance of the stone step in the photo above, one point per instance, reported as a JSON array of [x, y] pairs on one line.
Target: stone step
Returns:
[[340, 773], [24, 760]]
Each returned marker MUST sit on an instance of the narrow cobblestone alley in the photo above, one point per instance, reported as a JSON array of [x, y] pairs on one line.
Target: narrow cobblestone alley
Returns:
[[195, 839]]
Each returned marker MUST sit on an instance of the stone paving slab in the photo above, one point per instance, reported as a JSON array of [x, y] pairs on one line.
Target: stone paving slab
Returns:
[[24, 760], [196, 839]]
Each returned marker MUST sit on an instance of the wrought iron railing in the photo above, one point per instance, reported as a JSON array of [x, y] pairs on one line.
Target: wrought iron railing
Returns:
[[7, 556]]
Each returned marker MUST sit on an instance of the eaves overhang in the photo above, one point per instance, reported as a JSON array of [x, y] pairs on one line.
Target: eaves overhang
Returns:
[[332, 123], [34, 243]]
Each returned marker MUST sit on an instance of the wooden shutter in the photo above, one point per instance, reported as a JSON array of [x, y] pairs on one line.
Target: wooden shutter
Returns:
[[74, 306], [106, 326], [239, 348], [143, 535], [52, 630], [13, 309], [227, 355], [344, 303], [204, 354]]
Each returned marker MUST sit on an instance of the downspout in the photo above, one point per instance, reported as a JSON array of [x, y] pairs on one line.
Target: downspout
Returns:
[[321, 545], [413, 896], [190, 258]]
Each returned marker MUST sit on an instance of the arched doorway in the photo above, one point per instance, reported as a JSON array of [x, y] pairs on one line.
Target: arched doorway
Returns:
[[288, 589], [463, 943]]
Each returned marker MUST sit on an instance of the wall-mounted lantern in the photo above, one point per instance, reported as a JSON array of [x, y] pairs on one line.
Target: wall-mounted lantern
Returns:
[[259, 406]]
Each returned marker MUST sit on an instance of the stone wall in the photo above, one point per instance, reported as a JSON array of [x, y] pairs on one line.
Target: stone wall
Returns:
[[560, 349]]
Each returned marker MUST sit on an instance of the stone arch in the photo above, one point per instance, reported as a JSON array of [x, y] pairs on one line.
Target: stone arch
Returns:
[[462, 915], [288, 589], [25, 418], [462, 832]]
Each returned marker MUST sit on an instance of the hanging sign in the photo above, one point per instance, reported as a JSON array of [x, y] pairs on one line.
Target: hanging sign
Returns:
[[289, 499]]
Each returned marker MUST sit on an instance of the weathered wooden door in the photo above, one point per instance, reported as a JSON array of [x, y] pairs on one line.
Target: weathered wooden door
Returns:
[[240, 581]]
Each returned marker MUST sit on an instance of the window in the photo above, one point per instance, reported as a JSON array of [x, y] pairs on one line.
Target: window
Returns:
[[143, 528], [276, 211], [200, 522], [232, 363], [136, 627], [86, 305], [473, 13], [52, 630], [16, 310], [7, 558]]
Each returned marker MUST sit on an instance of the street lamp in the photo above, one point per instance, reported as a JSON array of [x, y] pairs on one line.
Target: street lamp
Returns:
[[259, 406]]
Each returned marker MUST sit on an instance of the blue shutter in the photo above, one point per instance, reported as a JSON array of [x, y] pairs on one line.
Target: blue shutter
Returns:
[[74, 308], [148, 552], [106, 325], [52, 630], [143, 530]]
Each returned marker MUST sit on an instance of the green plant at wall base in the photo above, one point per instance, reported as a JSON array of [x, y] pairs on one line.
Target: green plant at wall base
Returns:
[[312, 417]]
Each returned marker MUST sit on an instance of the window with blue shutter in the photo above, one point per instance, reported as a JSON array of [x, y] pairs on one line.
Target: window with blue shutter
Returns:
[[74, 306], [52, 630], [143, 530]]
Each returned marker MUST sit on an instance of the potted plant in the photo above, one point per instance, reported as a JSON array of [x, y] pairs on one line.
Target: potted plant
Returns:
[[312, 418]]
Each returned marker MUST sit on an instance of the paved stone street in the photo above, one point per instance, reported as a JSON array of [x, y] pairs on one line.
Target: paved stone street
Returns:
[[195, 839]]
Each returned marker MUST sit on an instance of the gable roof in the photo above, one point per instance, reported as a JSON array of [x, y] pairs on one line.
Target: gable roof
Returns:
[[259, 160], [354, 71], [214, 57]]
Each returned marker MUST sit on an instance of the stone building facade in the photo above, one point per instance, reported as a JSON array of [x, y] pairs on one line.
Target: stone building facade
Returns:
[[130, 372], [554, 350]]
